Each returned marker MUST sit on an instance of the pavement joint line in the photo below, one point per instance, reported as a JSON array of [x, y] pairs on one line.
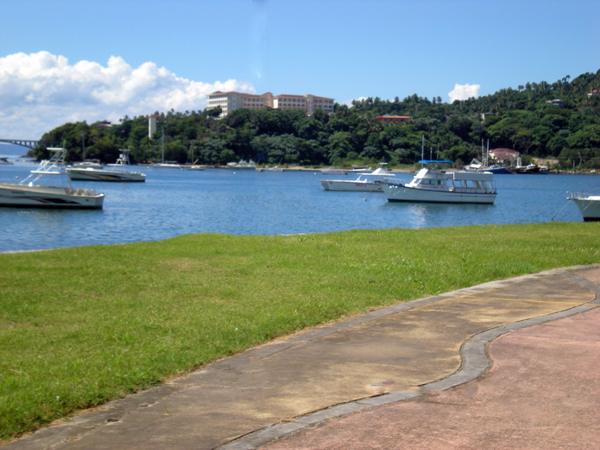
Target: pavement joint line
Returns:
[[473, 352]]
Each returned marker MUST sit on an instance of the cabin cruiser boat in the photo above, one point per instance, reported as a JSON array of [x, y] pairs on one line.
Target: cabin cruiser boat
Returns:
[[589, 205], [243, 164], [366, 181], [441, 186], [32, 193], [91, 174]]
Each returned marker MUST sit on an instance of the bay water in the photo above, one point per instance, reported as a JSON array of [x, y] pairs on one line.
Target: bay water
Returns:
[[246, 202]]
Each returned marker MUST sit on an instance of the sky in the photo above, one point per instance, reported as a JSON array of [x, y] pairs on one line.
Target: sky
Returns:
[[72, 60]]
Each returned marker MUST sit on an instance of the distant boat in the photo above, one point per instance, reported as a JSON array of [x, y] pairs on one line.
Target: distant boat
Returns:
[[167, 165], [4, 161], [441, 186], [90, 174], [588, 204], [366, 181], [243, 164], [51, 194], [334, 171]]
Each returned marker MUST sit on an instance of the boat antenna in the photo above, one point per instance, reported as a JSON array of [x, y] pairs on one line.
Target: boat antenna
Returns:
[[423, 147], [83, 145]]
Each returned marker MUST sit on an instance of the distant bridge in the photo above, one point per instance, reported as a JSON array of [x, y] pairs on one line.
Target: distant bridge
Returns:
[[29, 143]]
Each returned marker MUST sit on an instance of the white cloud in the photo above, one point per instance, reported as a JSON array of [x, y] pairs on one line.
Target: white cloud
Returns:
[[41, 91], [464, 92]]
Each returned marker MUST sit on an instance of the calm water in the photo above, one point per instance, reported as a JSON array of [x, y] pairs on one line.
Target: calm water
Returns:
[[175, 202]]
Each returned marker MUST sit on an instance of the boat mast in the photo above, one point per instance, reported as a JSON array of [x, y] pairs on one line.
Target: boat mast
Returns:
[[162, 144], [423, 147], [83, 145]]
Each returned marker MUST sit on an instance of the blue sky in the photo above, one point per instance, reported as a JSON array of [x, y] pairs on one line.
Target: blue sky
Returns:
[[66, 60]]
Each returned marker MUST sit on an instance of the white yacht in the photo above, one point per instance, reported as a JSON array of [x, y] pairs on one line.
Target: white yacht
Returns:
[[167, 165], [243, 164], [441, 186], [57, 193], [589, 205], [91, 174], [4, 160], [366, 181]]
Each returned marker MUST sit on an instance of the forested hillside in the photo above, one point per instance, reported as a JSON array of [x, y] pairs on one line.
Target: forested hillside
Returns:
[[521, 119]]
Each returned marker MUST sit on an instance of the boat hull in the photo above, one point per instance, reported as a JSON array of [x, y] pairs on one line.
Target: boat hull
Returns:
[[589, 207], [342, 185], [17, 195], [400, 193], [104, 175]]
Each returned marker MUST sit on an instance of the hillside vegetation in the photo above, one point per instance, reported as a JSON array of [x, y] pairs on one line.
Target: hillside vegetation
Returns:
[[521, 119]]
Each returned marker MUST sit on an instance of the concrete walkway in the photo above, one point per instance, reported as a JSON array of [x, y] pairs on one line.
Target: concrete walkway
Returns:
[[427, 360]]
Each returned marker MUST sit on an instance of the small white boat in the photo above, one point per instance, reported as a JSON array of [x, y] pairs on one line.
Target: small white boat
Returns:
[[4, 161], [334, 171], [242, 165], [589, 205], [167, 165], [31, 193], [440, 186], [366, 181], [91, 174]]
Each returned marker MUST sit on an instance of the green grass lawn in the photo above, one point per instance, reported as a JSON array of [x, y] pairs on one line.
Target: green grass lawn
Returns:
[[81, 326]]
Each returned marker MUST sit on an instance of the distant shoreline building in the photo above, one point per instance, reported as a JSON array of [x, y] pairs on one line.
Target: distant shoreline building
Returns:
[[393, 119], [231, 101], [503, 154]]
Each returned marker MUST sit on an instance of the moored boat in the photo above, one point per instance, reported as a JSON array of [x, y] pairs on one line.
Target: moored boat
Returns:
[[366, 181], [32, 193], [243, 164], [588, 204], [441, 186], [91, 174]]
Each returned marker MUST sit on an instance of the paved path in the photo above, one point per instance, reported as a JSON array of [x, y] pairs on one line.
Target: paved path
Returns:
[[410, 356]]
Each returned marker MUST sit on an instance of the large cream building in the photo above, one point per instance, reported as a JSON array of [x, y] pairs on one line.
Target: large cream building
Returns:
[[230, 101]]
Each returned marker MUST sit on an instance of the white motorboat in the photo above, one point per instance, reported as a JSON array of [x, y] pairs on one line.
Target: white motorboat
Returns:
[[440, 186], [243, 164], [167, 165], [91, 174], [4, 161], [366, 181], [589, 205], [32, 193], [334, 171]]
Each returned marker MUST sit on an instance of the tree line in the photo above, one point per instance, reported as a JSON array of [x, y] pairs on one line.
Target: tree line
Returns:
[[558, 120]]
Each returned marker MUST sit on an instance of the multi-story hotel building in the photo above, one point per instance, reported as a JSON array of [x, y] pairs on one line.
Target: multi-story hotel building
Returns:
[[230, 101]]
